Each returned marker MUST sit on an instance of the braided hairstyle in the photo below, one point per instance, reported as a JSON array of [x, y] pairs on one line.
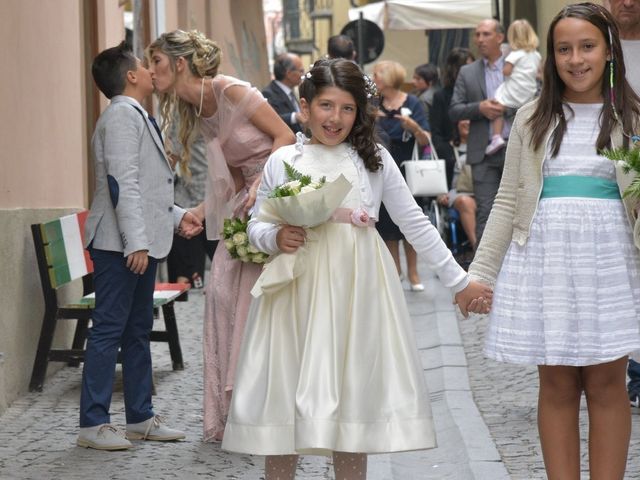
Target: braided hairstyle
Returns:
[[347, 76], [203, 57]]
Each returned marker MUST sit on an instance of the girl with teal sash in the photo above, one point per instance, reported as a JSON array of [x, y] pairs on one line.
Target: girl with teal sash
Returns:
[[559, 246]]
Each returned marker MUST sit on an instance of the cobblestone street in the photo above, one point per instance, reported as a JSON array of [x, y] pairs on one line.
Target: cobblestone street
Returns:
[[38, 431]]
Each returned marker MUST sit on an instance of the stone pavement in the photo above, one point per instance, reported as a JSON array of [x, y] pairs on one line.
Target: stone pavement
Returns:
[[38, 431]]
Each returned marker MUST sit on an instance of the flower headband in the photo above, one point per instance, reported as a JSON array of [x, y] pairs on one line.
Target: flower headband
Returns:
[[370, 86]]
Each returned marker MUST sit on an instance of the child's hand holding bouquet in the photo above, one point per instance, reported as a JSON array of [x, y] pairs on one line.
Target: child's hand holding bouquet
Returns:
[[296, 206]]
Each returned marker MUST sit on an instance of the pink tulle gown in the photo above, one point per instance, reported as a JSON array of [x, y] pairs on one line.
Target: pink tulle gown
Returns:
[[232, 142]]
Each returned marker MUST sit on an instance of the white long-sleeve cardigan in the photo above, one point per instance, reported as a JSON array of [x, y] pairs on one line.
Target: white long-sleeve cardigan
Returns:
[[385, 185]]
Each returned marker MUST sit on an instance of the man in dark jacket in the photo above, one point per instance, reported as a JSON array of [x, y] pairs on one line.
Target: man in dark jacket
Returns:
[[288, 71]]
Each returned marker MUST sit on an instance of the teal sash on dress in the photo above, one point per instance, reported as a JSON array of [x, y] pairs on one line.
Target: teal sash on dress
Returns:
[[579, 186]]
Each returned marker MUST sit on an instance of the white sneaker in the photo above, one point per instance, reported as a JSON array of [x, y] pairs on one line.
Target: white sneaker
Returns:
[[153, 429], [497, 142], [103, 437]]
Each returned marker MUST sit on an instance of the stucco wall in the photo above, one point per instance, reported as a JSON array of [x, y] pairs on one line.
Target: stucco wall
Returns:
[[21, 304], [237, 26], [44, 168]]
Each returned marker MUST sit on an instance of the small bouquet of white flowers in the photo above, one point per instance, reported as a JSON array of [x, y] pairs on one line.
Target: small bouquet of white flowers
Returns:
[[236, 241], [301, 202]]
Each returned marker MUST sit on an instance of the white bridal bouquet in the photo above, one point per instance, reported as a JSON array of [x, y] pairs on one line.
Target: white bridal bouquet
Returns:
[[301, 202], [236, 241]]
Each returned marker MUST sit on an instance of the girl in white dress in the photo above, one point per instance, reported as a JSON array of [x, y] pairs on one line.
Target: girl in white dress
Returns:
[[520, 73], [559, 246], [328, 362]]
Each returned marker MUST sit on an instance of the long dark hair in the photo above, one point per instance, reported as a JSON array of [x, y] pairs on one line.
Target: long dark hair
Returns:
[[550, 103], [455, 60], [346, 75]]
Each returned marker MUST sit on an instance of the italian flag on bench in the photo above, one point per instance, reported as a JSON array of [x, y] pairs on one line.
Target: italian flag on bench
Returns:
[[65, 248]]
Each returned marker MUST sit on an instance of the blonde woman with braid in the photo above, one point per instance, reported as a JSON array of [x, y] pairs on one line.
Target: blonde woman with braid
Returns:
[[241, 130]]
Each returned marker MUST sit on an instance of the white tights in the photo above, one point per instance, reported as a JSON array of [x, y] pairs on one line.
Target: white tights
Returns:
[[347, 466]]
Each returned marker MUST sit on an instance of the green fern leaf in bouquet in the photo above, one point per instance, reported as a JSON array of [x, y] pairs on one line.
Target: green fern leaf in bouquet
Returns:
[[630, 158]]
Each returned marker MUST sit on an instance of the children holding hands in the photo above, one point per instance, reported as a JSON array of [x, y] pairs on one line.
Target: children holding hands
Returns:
[[328, 362]]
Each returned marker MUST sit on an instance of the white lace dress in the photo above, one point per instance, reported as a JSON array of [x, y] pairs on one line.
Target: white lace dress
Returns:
[[571, 294]]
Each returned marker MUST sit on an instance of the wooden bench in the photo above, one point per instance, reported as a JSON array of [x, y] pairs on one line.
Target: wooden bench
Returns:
[[61, 259]]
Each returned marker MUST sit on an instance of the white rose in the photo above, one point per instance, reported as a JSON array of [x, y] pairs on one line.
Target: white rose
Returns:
[[245, 258], [405, 112], [252, 249], [228, 243], [239, 238], [308, 188], [259, 258], [241, 251], [294, 186]]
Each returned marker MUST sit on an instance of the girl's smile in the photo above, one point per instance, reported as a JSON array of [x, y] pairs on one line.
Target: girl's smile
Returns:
[[331, 114], [581, 54]]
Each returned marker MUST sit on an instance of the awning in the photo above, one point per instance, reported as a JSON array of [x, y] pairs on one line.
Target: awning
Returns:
[[424, 14]]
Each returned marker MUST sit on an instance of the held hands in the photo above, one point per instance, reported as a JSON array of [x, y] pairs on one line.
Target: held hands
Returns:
[[491, 108], [475, 298], [290, 238], [190, 225], [138, 261]]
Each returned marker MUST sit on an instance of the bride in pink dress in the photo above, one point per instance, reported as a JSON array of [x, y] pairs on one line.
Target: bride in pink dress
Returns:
[[241, 130]]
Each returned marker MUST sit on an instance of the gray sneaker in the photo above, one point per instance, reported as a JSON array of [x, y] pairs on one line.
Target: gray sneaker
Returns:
[[103, 437], [153, 429]]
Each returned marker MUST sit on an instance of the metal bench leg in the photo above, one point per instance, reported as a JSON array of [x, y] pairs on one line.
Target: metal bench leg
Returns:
[[42, 354], [172, 334]]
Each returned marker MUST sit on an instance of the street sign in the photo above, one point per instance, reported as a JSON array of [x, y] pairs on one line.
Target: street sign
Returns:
[[369, 35]]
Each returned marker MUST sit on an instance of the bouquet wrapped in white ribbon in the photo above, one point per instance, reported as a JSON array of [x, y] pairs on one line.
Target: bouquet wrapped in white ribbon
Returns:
[[303, 203]]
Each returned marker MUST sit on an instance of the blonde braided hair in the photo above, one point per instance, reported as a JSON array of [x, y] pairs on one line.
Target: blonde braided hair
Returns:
[[203, 57]]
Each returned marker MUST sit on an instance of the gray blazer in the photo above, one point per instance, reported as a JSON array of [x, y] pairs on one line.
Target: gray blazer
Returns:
[[133, 205], [470, 89]]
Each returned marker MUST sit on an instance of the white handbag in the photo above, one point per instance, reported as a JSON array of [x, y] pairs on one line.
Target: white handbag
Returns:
[[425, 178]]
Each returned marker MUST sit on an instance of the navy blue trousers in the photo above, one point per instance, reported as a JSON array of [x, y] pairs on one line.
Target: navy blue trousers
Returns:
[[122, 320]]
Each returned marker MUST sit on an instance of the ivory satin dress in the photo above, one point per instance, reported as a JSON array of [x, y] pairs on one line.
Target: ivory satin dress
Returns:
[[329, 362]]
